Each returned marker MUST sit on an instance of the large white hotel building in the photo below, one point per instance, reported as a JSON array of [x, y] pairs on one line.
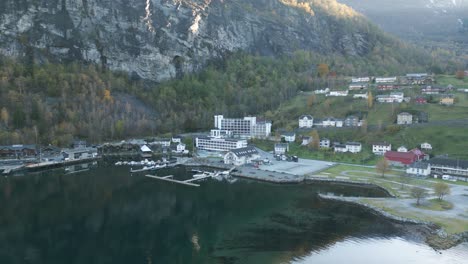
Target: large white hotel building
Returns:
[[246, 127]]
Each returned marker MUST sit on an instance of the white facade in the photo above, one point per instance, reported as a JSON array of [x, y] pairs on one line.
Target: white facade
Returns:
[[396, 97], [218, 133], [338, 93], [329, 122], [306, 121], [352, 147], [176, 139], [162, 142], [239, 157], [281, 148], [339, 123], [419, 169], [289, 137], [219, 144], [181, 147], [426, 146], [324, 143], [360, 79], [381, 148], [246, 127], [324, 91], [386, 80], [402, 149], [404, 118], [306, 141], [361, 96]]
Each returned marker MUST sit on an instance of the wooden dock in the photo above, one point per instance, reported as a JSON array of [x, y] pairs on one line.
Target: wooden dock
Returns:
[[188, 182]]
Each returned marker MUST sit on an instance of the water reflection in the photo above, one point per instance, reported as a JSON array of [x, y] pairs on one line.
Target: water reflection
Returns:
[[104, 215]]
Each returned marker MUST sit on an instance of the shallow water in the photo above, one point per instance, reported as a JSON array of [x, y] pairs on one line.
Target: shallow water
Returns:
[[105, 215]]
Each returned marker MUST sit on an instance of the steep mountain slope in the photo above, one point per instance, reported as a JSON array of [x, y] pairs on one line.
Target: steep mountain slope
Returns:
[[161, 39]]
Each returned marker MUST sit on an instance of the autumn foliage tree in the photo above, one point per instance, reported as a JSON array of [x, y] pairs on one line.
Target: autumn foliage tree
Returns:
[[441, 189], [323, 70], [460, 75], [315, 140], [418, 193], [383, 166], [311, 101]]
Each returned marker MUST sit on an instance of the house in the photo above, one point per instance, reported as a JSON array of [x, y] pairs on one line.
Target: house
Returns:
[[18, 151], [387, 86], [289, 137], [381, 147], [420, 100], [329, 122], [357, 86], [79, 144], [180, 148], [145, 151], [339, 122], [338, 93], [176, 139], [385, 79], [361, 96], [400, 158], [447, 100], [79, 153], [404, 118], [306, 121], [241, 156], [402, 149], [419, 154], [325, 143], [395, 97], [340, 148], [306, 141], [351, 121], [360, 80], [419, 78], [354, 147], [163, 142], [281, 148], [324, 91], [456, 168], [219, 144], [426, 146], [419, 168]]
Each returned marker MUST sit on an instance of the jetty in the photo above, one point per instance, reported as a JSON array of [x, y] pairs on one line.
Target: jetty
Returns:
[[185, 182]]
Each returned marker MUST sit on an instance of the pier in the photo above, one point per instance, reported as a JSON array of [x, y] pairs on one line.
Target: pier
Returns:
[[186, 182]]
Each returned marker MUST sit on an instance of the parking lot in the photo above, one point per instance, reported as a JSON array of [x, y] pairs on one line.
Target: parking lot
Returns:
[[303, 167]]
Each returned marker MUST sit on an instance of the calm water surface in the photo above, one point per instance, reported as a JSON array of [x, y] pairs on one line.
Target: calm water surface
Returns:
[[104, 215]]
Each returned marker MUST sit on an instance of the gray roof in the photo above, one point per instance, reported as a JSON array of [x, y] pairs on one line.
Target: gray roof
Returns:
[[453, 163], [281, 145], [419, 165], [353, 143], [18, 147], [306, 116], [288, 134], [381, 144], [247, 151]]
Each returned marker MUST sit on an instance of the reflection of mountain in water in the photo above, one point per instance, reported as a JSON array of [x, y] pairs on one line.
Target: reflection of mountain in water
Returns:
[[106, 216]]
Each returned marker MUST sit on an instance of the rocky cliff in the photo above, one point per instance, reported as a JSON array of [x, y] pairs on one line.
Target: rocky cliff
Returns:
[[161, 39]]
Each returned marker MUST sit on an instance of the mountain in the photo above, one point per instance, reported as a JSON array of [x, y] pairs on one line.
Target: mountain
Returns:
[[441, 21], [162, 39]]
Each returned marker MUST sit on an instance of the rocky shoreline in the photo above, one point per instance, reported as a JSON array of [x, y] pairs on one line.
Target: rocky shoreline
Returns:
[[433, 234]]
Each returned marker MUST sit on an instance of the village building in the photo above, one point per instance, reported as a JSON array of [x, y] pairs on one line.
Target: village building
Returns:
[[79, 153], [352, 147], [247, 127], [420, 155], [447, 100], [361, 96], [419, 169], [338, 93], [381, 147], [351, 121], [325, 143], [18, 151], [218, 133], [457, 169], [387, 86], [402, 149], [360, 80], [163, 142], [404, 118], [306, 121], [181, 148], [395, 97], [419, 78], [324, 91], [145, 152], [281, 148], [400, 158], [420, 100], [241, 156], [176, 139], [306, 141], [219, 144], [289, 136], [340, 148], [385, 80], [329, 122], [426, 146], [79, 144], [357, 86]]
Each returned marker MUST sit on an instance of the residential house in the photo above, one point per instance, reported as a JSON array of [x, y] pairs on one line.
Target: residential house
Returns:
[[419, 168], [219, 144], [241, 156], [324, 91], [163, 142], [420, 100], [404, 118], [325, 143], [351, 121], [419, 154], [402, 149], [18, 151], [447, 100], [385, 80], [339, 122], [361, 96], [176, 139], [289, 136], [281, 148], [146, 152], [338, 93], [400, 158], [457, 169], [387, 86], [360, 80], [426, 146], [380, 148], [419, 78], [395, 97], [340, 148], [329, 122], [181, 148], [79, 153], [306, 121], [354, 147], [79, 144], [357, 86], [306, 141]]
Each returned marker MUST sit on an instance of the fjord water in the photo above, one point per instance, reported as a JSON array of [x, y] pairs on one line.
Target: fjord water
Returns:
[[105, 215]]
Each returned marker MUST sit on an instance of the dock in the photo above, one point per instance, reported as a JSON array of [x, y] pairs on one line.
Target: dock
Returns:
[[186, 182]]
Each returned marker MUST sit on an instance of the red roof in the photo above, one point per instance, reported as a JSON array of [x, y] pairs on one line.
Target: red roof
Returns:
[[418, 153], [406, 158]]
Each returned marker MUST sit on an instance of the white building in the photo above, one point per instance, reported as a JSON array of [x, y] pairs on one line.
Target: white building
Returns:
[[306, 121], [164, 142], [338, 93], [361, 96], [324, 91], [340, 148], [289, 137], [219, 144], [241, 156], [404, 118], [402, 149], [306, 141], [246, 127], [180, 148], [218, 133], [385, 79], [176, 139], [352, 147], [281, 148], [396, 97], [325, 143], [426, 146], [381, 147], [419, 168], [339, 122], [360, 79], [329, 122]]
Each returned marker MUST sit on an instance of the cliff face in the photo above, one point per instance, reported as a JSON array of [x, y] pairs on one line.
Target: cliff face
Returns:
[[160, 39]]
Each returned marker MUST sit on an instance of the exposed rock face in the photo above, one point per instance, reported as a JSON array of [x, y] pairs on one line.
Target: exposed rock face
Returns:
[[160, 39]]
